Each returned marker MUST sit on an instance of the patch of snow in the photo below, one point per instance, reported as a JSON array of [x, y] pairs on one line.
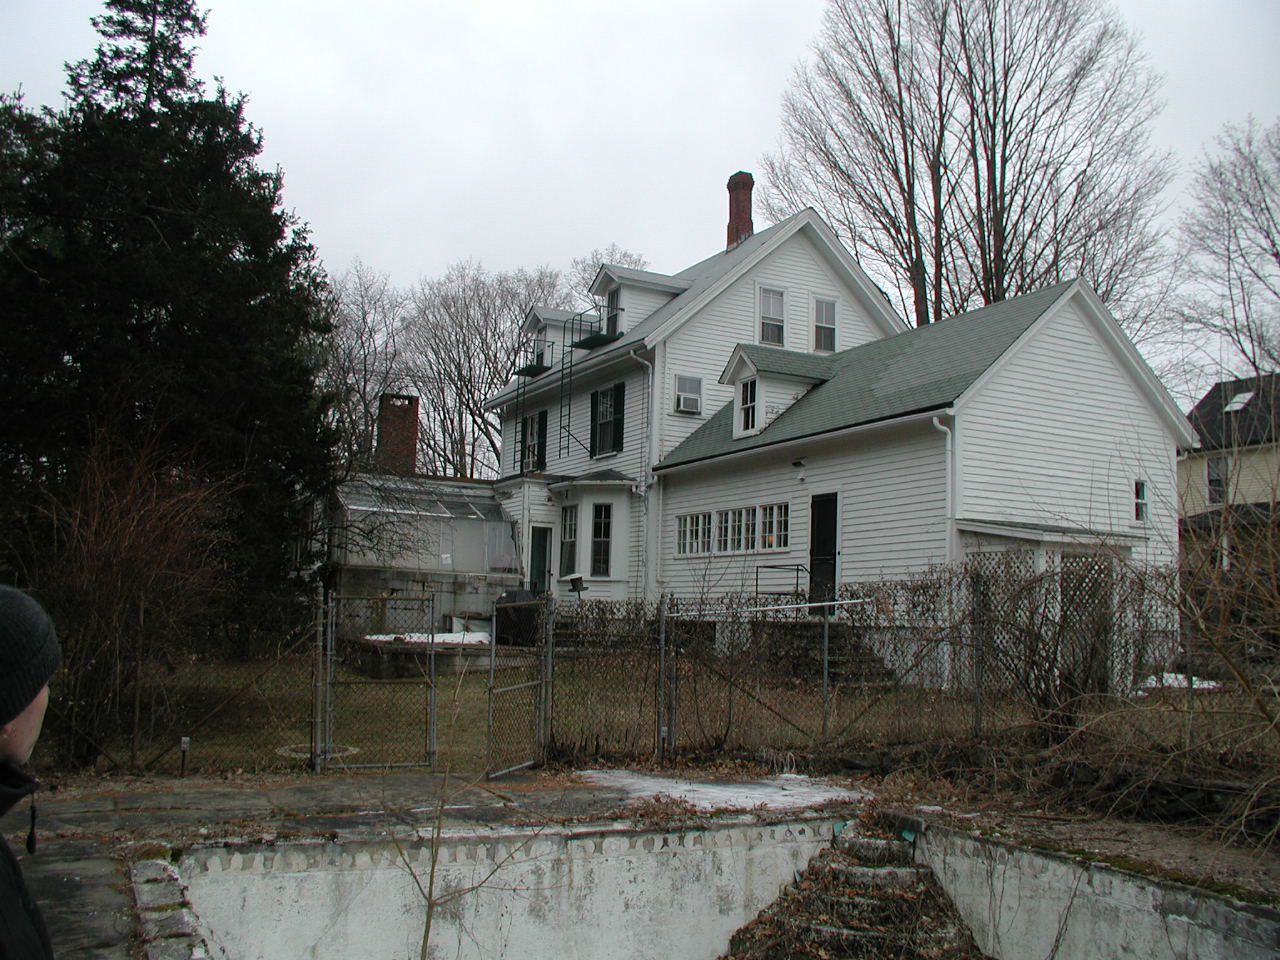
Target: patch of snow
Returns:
[[476, 638], [1177, 681], [785, 792]]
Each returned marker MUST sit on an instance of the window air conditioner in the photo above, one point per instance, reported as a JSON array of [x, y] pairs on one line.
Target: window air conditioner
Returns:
[[688, 403]]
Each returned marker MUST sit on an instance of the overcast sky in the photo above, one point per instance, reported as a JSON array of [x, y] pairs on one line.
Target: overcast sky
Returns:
[[415, 134]]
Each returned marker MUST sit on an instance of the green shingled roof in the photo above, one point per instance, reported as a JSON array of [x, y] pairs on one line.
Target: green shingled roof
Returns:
[[921, 369], [789, 363]]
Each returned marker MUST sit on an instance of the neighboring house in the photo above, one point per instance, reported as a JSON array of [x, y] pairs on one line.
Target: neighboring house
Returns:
[[394, 533], [763, 420], [1228, 485]]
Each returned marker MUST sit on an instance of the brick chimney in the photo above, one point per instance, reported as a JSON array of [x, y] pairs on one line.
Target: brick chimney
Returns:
[[740, 227], [397, 434]]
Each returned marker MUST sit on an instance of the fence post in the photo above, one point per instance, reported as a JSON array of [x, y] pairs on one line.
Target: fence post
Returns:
[[659, 717], [826, 669], [671, 707], [547, 686], [318, 682], [433, 738], [978, 597]]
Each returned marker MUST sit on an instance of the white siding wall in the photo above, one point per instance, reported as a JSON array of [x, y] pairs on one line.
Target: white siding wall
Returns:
[[775, 394], [637, 303], [702, 346], [1059, 435], [892, 515]]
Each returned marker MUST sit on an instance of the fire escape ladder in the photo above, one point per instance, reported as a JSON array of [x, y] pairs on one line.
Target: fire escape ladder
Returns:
[[536, 358]]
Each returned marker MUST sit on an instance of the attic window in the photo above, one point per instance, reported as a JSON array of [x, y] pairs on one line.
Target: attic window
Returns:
[[771, 324], [1237, 403]]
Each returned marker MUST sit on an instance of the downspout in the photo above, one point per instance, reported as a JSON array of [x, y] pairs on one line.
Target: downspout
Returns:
[[950, 492], [646, 477], [951, 522]]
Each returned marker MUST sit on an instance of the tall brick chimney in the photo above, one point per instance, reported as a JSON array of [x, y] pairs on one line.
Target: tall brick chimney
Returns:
[[397, 450], [740, 227]]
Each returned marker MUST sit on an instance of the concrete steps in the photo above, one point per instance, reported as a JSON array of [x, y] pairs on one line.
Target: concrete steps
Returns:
[[863, 898]]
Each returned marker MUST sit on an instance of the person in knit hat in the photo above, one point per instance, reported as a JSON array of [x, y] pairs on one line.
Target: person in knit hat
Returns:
[[29, 655]]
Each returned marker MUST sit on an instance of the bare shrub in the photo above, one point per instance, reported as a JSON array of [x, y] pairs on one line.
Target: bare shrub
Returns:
[[125, 556]]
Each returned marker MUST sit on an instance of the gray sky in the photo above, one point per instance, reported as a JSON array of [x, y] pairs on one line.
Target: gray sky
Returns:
[[415, 134]]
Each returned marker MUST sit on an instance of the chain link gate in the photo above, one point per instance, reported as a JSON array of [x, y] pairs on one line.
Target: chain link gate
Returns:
[[520, 685], [375, 697]]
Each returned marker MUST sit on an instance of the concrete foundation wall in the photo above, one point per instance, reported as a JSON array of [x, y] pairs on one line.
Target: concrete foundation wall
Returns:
[[584, 892], [1023, 903]]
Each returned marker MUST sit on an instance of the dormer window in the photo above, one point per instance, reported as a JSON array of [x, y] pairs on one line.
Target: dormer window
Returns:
[[611, 311], [771, 322], [747, 406]]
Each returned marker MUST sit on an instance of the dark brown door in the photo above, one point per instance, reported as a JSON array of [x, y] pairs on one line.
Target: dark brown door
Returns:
[[822, 547]]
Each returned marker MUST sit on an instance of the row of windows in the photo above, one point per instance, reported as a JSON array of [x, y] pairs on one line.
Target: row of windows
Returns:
[[773, 323], [737, 530]]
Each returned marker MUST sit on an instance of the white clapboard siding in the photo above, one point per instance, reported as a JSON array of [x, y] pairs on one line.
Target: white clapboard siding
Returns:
[[1060, 433], [702, 346], [637, 303], [892, 515]]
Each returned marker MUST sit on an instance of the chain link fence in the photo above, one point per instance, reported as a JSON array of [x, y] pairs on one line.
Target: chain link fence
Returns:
[[1066, 653], [960, 652]]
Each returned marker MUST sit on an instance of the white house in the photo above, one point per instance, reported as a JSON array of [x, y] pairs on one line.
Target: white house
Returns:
[[763, 421]]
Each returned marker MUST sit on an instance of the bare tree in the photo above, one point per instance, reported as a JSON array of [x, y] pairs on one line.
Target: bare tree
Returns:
[[362, 359], [462, 339], [583, 270], [972, 150], [1232, 238]]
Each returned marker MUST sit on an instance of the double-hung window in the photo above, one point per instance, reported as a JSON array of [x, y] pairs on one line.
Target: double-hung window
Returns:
[[606, 419], [688, 394], [601, 538], [824, 325], [771, 317], [1218, 473], [568, 539], [1140, 500], [747, 406], [533, 442]]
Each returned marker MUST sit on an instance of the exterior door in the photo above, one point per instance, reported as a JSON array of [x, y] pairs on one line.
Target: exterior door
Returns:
[[540, 560], [822, 547]]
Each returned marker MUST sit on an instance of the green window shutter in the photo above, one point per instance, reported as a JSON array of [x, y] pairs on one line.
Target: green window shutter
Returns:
[[619, 394], [542, 441], [595, 410]]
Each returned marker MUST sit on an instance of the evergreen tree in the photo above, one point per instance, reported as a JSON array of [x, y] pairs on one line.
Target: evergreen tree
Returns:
[[155, 289]]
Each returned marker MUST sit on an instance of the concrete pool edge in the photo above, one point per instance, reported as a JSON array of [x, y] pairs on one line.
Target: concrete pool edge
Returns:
[[187, 896], [1022, 901]]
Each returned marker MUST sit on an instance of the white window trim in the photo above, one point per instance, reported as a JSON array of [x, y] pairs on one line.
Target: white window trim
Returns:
[[813, 322], [1226, 480], [758, 312], [714, 534], [738, 429], [675, 405], [1141, 504]]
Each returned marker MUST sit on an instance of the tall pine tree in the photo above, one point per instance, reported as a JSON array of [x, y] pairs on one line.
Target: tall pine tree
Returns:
[[157, 292]]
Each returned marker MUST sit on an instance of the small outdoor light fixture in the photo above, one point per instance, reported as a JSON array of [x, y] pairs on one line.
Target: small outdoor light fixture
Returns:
[[576, 584], [798, 464]]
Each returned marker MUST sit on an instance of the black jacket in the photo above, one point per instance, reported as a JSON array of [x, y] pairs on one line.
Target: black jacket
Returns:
[[22, 931]]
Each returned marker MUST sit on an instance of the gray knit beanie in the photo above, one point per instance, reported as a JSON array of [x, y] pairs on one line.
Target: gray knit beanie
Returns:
[[29, 651]]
